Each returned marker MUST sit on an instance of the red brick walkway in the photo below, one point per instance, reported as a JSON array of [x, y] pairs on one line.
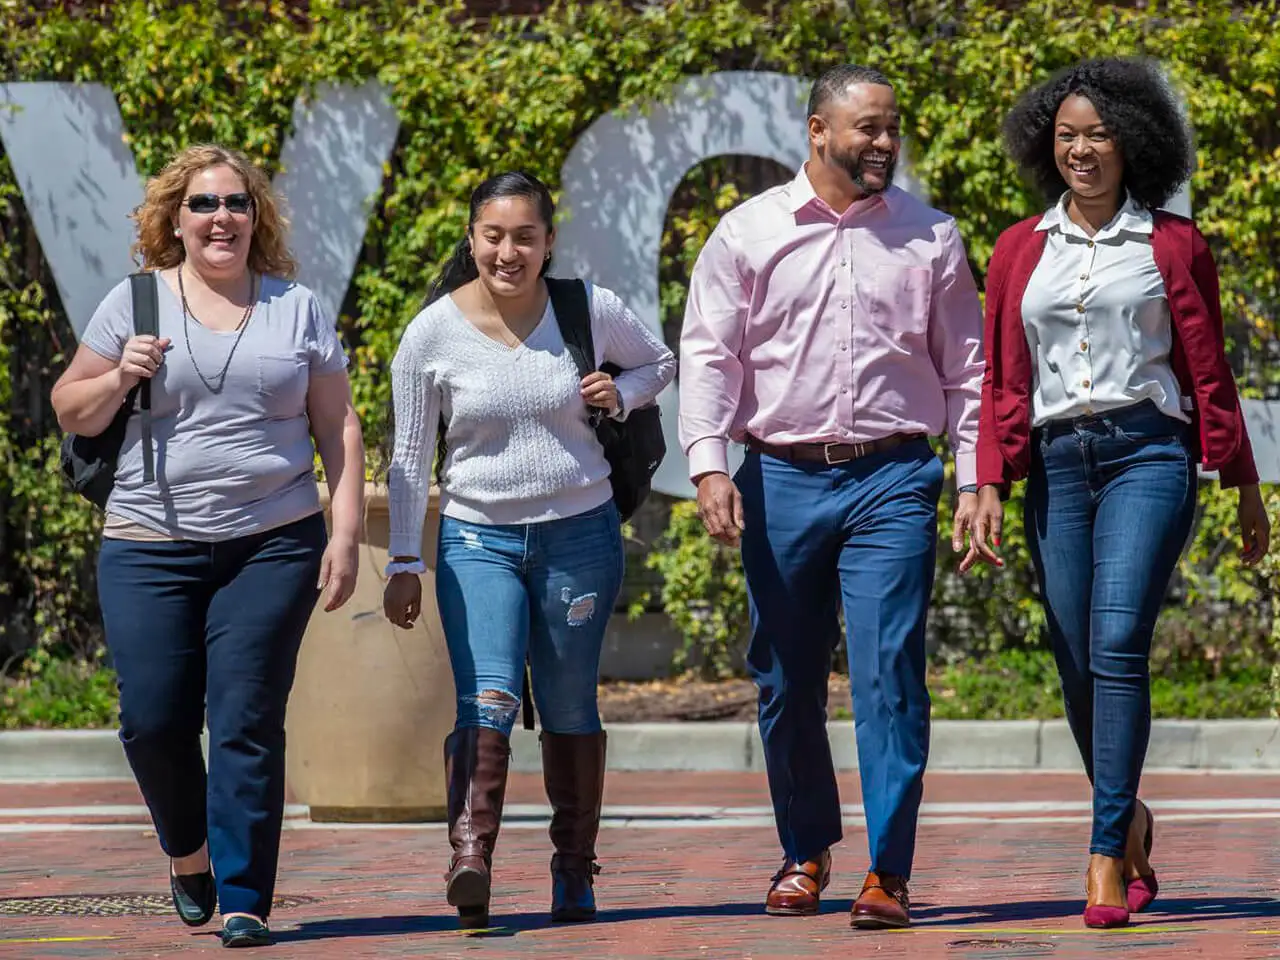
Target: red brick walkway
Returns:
[[1000, 873]]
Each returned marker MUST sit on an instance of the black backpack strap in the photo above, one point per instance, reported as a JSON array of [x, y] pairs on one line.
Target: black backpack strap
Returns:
[[573, 315], [146, 322]]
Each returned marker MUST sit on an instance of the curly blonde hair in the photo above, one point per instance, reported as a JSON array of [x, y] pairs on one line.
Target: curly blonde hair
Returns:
[[158, 249]]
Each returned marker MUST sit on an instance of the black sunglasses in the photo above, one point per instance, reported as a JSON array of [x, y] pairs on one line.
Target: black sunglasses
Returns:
[[209, 202]]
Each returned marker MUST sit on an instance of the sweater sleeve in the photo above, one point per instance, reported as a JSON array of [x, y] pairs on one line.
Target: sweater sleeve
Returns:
[[416, 402], [992, 469], [621, 337], [1240, 470]]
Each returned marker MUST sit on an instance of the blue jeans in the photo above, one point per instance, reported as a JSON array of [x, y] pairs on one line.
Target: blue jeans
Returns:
[[1109, 506], [189, 623], [862, 534], [541, 589]]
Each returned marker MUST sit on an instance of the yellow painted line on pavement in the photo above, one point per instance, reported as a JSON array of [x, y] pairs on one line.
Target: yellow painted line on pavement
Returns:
[[1030, 932], [56, 939]]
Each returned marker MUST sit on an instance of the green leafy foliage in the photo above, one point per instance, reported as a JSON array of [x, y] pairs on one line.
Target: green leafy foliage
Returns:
[[475, 98]]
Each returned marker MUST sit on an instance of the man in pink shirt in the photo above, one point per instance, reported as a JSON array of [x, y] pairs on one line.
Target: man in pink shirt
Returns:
[[832, 326]]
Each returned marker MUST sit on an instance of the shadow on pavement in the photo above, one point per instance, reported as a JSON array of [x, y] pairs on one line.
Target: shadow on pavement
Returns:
[[1166, 910]]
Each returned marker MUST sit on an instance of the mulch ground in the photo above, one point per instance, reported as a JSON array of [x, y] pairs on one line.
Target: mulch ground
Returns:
[[684, 698]]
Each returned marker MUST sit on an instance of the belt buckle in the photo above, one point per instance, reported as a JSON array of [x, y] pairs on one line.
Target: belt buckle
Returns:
[[826, 453]]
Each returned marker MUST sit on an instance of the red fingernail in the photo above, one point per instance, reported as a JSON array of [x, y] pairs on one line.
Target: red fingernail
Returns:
[[996, 541]]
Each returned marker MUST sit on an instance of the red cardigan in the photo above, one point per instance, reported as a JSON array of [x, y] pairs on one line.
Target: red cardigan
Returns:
[[1198, 357]]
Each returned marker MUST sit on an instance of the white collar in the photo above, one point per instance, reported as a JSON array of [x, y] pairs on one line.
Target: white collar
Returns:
[[1130, 218]]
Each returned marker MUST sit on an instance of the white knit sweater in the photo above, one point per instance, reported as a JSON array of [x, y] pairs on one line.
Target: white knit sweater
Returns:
[[519, 445]]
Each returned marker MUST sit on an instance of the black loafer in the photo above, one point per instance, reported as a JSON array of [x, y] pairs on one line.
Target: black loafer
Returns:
[[245, 932], [195, 897]]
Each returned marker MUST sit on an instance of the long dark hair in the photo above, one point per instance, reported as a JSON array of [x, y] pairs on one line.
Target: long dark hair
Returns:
[[460, 269]]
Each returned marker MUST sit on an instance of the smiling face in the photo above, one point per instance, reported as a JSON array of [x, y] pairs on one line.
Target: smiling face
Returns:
[[1086, 152], [217, 243], [510, 244], [858, 135]]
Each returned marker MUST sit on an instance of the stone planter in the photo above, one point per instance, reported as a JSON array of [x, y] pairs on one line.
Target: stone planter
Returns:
[[372, 704]]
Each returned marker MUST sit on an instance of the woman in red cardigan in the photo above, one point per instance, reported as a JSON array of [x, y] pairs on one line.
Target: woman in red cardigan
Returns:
[[1107, 383]]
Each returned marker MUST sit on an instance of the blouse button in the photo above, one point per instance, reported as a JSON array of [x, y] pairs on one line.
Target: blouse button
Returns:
[[1090, 243], [1079, 308], [1085, 383], [1084, 345]]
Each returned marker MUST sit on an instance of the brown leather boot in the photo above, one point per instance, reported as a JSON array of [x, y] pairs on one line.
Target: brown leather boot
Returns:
[[573, 771], [476, 761]]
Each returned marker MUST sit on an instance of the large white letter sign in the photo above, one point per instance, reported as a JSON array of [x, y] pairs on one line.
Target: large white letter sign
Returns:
[[66, 144], [620, 175]]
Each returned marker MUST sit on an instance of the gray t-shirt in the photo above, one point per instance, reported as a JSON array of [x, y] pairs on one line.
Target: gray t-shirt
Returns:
[[234, 461]]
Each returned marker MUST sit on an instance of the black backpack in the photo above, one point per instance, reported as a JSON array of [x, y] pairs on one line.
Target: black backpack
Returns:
[[89, 463], [635, 446]]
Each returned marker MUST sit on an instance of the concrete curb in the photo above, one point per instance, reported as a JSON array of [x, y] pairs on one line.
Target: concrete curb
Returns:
[[735, 746]]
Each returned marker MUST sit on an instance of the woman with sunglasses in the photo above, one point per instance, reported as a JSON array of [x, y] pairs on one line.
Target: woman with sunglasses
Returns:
[[1107, 382], [207, 576], [530, 550]]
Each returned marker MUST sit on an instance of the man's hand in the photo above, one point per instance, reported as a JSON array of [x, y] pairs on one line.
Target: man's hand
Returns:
[[720, 508], [979, 515]]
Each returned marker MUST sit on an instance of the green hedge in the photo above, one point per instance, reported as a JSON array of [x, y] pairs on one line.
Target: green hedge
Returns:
[[475, 99]]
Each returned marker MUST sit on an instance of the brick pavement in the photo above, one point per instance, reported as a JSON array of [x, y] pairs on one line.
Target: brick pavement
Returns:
[[1003, 881]]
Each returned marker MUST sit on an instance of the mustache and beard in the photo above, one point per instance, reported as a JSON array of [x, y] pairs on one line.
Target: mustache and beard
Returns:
[[857, 170]]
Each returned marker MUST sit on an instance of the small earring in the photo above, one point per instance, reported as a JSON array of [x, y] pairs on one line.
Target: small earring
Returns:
[[177, 231]]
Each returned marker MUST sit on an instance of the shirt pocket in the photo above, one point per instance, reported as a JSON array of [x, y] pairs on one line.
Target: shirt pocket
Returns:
[[282, 383], [900, 299]]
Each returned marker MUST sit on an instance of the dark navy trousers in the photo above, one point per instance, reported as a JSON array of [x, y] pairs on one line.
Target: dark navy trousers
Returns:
[[862, 535], [190, 622]]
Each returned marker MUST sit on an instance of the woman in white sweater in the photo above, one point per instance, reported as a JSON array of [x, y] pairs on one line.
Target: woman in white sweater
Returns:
[[530, 553]]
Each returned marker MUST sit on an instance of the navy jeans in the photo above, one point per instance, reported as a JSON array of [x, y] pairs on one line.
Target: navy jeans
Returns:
[[862, 534], [542, 589], [1109, 506], [188, 622]]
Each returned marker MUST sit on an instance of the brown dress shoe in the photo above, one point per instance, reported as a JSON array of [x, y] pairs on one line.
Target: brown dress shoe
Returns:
[[797, 887], [883, 903]]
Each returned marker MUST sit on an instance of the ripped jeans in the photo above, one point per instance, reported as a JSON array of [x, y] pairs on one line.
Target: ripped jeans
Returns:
[[545, 589]]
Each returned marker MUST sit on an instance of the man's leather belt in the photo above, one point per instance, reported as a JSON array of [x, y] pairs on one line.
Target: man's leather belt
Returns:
[[830, 453]]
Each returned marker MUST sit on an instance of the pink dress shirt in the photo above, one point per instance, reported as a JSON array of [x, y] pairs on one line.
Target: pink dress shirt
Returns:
[[804, 325]]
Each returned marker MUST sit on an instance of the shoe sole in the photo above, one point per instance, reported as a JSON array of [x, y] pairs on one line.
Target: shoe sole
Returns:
[[792, 911], [247, 941], [877, 923]]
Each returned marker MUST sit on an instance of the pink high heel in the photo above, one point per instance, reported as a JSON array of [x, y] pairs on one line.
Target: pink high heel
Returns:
[[1141, 891], [1103, 917]]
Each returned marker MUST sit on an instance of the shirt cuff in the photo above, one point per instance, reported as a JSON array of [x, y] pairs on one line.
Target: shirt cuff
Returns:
[[708, 455], [966, 468]]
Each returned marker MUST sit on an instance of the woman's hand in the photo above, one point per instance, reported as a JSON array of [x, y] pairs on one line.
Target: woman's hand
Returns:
[[338, 569], [141, 358], [599, 390], [402, 599], [1255, 526], [981, 515]]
